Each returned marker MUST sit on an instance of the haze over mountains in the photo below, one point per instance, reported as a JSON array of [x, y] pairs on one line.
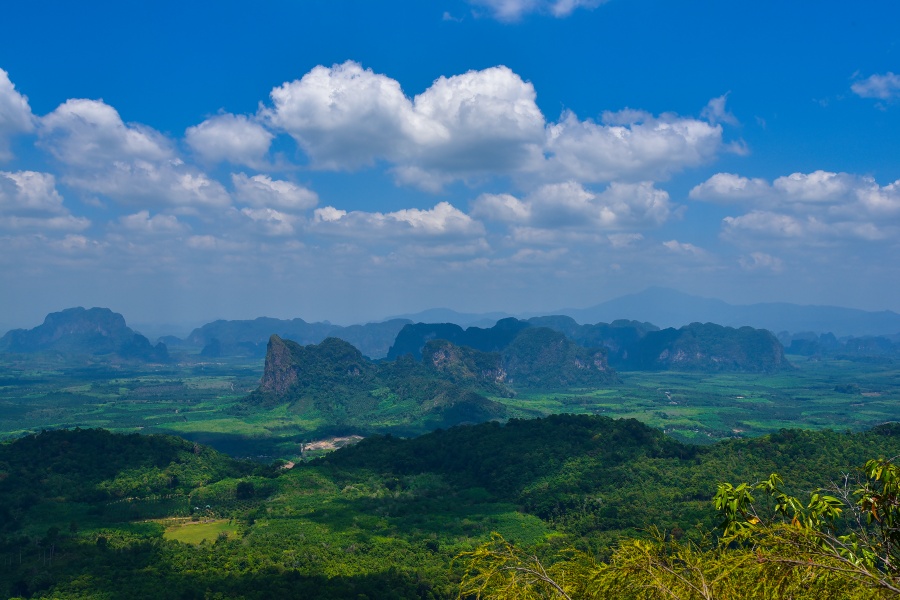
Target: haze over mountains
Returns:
[[621, 326], [666, 307]]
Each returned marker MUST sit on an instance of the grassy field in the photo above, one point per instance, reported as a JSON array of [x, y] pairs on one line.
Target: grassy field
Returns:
[[201, 402], [702, 407], [195, 532]]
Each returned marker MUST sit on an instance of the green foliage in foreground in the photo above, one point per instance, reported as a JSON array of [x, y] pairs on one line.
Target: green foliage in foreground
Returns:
[[845, 545], [385, 518]]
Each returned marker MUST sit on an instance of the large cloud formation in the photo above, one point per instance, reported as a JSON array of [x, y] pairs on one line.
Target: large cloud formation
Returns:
[[227, 197], [30, 200], [125, 162], [817, 206], [347, 117], [477, 124], [570, 205]]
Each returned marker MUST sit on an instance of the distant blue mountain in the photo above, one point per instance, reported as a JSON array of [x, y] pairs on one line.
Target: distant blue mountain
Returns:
[[78, 331], [670, 308], [447, 315]]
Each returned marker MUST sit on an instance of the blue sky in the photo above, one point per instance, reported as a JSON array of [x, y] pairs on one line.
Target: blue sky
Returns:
[[349, 160]]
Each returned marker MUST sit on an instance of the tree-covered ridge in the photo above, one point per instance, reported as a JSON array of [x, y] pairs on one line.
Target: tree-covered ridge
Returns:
[[599, 478], [386, 518], [94, 466], [88, 332]]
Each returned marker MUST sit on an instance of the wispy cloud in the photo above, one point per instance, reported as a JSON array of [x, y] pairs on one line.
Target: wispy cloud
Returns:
[[880, 87], [514, 10]]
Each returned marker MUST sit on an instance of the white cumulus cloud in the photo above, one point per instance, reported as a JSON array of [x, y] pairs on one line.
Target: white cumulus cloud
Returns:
[[444, 220], [15, 114], [142, 222], [126, 162], [571, 205], [29, 200], [478, 125], [764, 223], [230, 138], [347, 117], [728, 187], [270, 221], [90, 133], [827, 194], [263, 191], [629, 145]]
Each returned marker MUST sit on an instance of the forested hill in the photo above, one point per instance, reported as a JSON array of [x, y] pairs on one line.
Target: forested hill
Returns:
[[96, 466], [97, 332], [594, 476], [335, 383]]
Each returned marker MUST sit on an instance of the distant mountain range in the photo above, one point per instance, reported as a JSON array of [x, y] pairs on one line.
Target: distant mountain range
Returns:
[[615, 325], [665, 307], [670, 308], [249, 338], [447, 315]]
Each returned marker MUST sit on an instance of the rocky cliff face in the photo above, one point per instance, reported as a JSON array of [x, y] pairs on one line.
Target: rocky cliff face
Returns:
[[332, 381], [463, 363], [279, 373]]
